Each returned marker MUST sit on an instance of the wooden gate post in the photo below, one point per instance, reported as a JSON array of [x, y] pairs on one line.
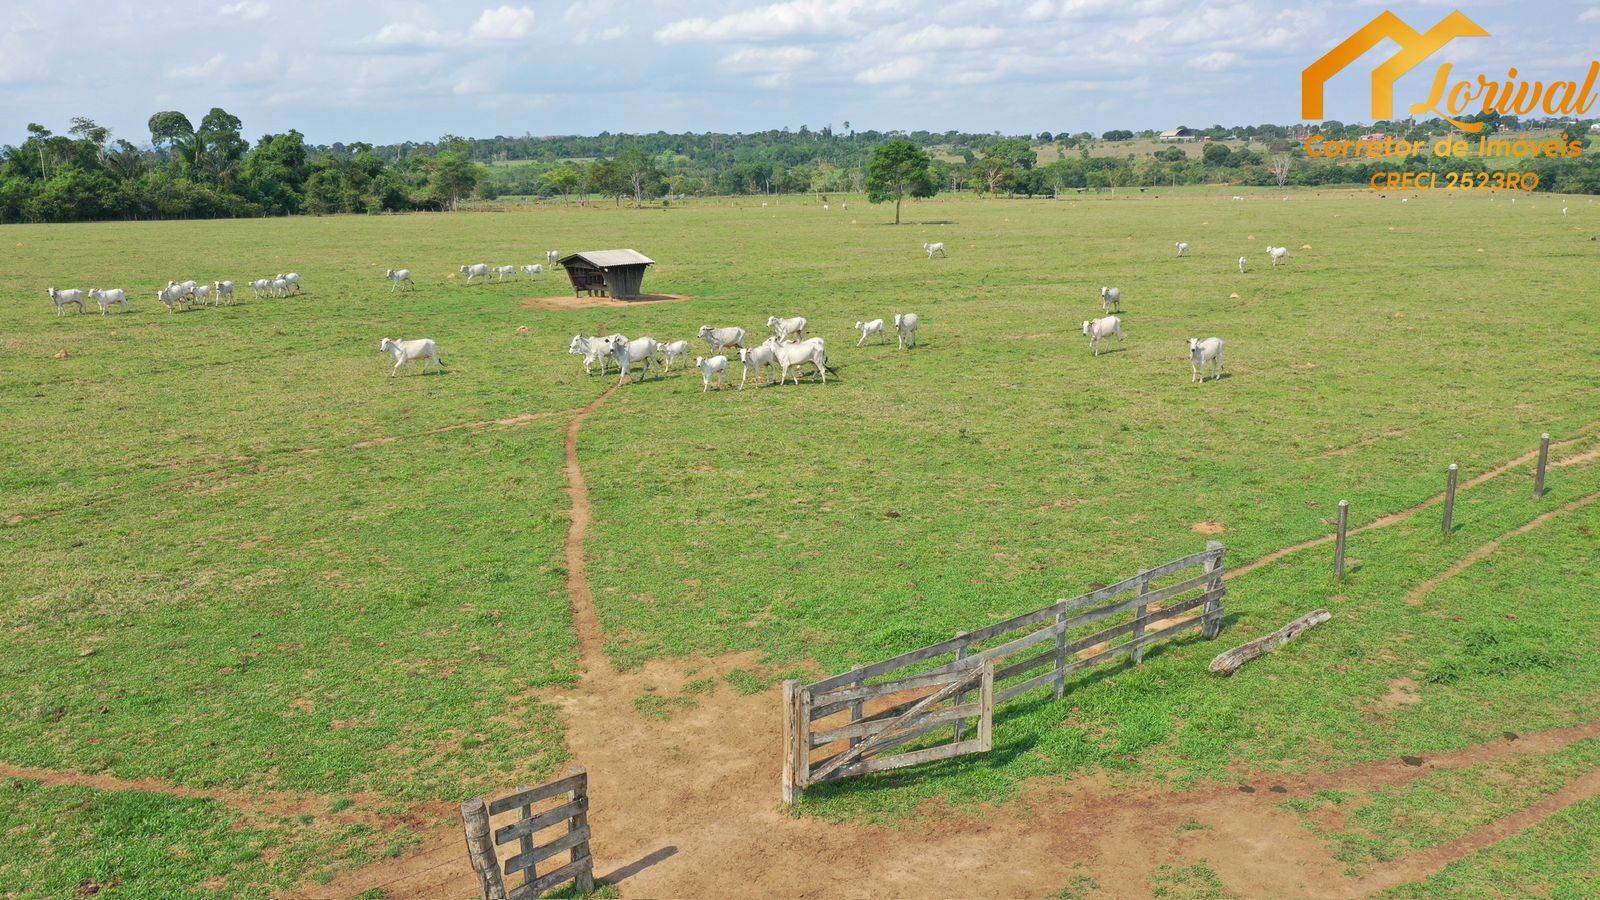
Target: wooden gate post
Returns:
[[1139, 613], [480, 849], [793, 734], [1211, 624], [1339, 540], [961, 724], [1450, 497], [580, 822], [1061, 654], [1544, 461]]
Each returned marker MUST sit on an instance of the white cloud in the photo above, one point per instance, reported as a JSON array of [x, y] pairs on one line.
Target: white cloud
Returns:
[[1215, 62], [940, 37], [398, 35], [1589, 16], [201, 70], [249, 10], [895, 70], [504, 23], [777, 21]]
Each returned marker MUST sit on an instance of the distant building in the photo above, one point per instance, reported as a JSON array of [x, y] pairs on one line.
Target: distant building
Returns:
[[1177, 134], [609, 273]]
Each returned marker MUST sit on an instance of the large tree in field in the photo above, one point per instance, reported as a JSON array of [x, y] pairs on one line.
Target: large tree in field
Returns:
[[899, 168]]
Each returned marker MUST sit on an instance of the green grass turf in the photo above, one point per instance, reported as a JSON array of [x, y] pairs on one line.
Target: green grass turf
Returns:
[[194, 545]]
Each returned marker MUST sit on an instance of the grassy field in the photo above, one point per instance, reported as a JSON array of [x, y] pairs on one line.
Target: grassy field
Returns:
[[238, 558]]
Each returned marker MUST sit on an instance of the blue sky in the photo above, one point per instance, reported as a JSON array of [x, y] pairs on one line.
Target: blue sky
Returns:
[[392, 71]]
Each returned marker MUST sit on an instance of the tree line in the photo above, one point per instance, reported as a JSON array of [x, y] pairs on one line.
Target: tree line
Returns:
[[210, 170]]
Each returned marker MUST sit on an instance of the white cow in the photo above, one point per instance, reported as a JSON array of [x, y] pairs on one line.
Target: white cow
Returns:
[[399, 277], [787, 328], [1183, 249], [63, 298], [534, 269], [1111, 297], [758, 358], [292, 279], [1241, 265], [223, 289], [906, 324], [673, 352], [261, 286], [870, 328], [1096, 329], [795, 355], [722, 338], [1202, 352], [593, 350], [931, 249], [1277, 253], [640, 350], [108, 299], [552, 258], [715, 367], [501, 273], [405, 351], [479, 270]]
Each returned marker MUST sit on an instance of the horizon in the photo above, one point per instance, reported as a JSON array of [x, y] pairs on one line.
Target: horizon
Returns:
[[393, 73]]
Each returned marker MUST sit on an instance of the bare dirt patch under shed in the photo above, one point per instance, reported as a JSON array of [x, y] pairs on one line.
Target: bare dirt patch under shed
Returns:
[[565, 303]]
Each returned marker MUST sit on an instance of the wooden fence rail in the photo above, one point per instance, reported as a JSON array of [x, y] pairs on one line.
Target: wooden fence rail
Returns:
[[564, 801], [1023, 653]]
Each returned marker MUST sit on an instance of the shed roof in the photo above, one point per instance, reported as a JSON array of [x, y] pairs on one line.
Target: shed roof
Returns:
[[606, 259]]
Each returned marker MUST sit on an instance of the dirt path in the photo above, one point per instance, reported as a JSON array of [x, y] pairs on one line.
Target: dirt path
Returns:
[[265, 804], [1424, 589], [584, 618]]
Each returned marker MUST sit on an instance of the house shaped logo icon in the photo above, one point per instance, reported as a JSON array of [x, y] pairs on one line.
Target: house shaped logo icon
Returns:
[[1415, 47]]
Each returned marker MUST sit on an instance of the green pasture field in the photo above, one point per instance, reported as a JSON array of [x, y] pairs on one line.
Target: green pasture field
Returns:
[[236, 556]]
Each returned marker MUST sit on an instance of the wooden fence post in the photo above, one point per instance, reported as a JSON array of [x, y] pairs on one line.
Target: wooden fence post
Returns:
[[1450, 498], [793, 733], [1339, 540], [580, 795], [986, 702], [1211, 624], [1061, 654], [1139, 613], [1544, 461], [480, 849], [961, 724], [857, 707]]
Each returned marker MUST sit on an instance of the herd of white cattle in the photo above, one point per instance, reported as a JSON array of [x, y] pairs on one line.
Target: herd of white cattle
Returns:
[[177, 294], [788, 349]]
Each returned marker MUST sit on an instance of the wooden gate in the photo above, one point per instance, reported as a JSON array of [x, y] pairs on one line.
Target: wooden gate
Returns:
[[563, 802], [853, 720], [911, 708]]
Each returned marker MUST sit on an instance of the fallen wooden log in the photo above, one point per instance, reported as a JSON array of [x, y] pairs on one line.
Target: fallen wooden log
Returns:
[[1228, 662]]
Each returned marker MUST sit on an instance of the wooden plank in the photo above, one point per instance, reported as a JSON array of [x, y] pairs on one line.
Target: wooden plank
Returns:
[[1229, 661], [1030, 684], [480, 850], [1150, 637], [568, 872], [887, 763], [857, 707], [908, 716], [527, 859], [802, 744], [839, 699], [876, 725], [533, 795], [517, 829], [1032, 662], [1149, 598]]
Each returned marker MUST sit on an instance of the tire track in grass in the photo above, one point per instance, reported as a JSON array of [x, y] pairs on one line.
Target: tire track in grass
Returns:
[[1424, 865], [1403, 515], [1424, 589]]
